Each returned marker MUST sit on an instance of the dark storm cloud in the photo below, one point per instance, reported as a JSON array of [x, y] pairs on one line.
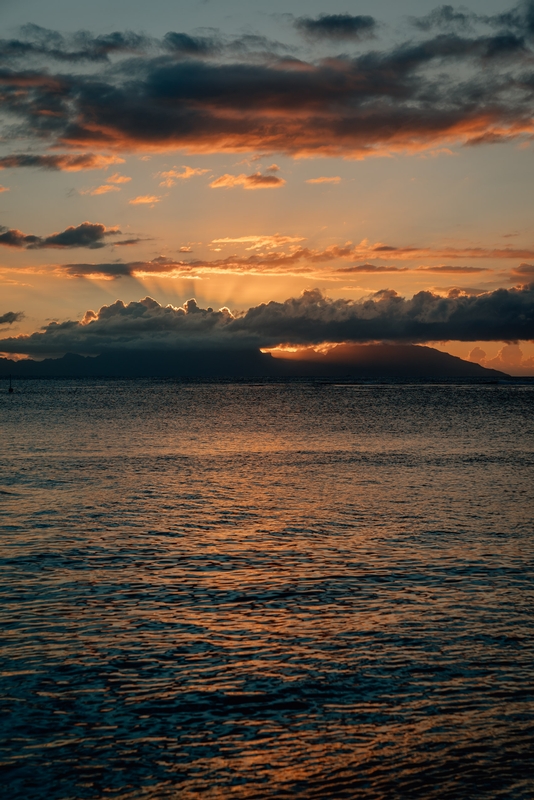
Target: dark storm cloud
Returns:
[[337, 26], [312, 318], [10, 317], [456, 86], [92, 235]]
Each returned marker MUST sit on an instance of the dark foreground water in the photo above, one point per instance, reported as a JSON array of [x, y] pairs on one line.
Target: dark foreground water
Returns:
[[267, 591]]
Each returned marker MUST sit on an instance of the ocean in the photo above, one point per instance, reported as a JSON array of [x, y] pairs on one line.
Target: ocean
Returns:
[[267, 590]]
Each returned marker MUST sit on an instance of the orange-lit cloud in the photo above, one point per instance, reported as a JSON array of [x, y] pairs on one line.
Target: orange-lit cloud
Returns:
[[325, 179], [4, 189], [172, 175], [452, 270], [379, 250], [144, 199], [278, 254], [523, 271], [118, 178], [510, 358], [260, 242], [369, 269], [255, 181], [104, 189]]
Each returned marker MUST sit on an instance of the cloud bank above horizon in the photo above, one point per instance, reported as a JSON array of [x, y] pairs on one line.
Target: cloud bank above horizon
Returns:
[[311, 319]]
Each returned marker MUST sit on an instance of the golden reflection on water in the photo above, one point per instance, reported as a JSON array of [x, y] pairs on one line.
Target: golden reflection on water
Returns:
[[267, 591]]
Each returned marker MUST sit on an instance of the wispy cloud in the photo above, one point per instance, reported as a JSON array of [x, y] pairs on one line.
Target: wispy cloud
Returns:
[[171, 176], [278, 254], [255, 181], [144, 200], [103, 189], [452, 270], [325, 179], [118, 178], [258, 242]]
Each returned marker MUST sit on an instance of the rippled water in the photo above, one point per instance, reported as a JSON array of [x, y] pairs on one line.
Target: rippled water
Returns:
[[267, 591]]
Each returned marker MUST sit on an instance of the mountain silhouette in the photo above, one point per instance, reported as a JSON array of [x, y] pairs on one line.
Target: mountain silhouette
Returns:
[[372, 361]]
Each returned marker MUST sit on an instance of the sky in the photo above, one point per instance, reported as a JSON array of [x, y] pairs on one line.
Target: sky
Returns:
[[308, 173]]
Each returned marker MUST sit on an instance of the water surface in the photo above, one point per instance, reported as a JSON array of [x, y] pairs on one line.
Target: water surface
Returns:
[[266, 590]]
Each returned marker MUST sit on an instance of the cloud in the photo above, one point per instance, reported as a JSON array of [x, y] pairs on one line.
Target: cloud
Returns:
[[168, 95], [265, 264], [182, 44], [523, 271], [519, 19], [510, 359], [15, 238], [104, 189], [452, 270], [118, 178], [10, 317], [369, 268], [445, 18], [264, 256], [312, 318], [65, 163], [37, 42], [4, 189], [144, 199], [172, 175], [366, 250], [92, 235], [325, 179], [337, 26], [259, 242], [101, 271], [255, 181]]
